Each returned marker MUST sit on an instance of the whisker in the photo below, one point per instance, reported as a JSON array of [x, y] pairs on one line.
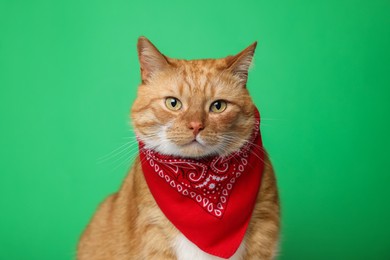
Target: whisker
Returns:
[[118, 151], [124, 162]]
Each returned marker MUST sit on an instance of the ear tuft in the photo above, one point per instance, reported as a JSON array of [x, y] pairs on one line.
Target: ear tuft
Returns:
[[239, 64], [150, 58]]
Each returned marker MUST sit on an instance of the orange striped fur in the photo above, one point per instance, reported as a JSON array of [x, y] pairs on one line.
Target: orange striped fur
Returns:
[[129, 224]]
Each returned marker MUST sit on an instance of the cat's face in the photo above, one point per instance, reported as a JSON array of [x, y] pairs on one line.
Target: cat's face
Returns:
[[193, 108]]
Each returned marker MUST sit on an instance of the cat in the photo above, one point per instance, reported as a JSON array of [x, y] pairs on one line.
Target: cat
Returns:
[[189, 111]]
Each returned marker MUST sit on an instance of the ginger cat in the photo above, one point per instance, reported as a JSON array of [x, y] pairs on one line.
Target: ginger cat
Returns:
[[189, 110]]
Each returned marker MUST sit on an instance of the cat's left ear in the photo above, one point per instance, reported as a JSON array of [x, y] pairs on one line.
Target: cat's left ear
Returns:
[[150, 58], [240, 63]]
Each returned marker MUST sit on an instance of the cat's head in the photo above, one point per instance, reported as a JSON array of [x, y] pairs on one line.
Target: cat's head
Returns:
[[193, 108]]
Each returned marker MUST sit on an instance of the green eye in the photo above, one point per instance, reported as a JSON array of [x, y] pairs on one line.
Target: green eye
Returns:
[[218, 106], [173, 103]]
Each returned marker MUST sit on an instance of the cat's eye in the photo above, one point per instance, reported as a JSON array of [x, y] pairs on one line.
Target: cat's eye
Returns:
[[218, 106], [173, 103]]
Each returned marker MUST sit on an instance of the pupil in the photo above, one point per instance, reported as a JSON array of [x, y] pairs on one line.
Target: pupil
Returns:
[[173, 102], [218, 105]]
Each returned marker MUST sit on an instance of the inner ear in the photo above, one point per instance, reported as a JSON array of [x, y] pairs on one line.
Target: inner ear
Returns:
[[239, 64], [150, 58]]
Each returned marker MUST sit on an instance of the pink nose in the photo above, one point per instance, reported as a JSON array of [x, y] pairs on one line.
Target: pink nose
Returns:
[[196, 127]]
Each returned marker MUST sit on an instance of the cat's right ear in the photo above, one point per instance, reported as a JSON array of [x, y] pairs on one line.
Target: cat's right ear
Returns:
[[150, 58], [240, 63]]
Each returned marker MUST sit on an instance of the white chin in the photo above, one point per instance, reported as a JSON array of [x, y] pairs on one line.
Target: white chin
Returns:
[[194, 149], [191, 150]]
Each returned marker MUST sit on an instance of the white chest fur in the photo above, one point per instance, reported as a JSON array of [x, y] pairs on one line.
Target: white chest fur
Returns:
[[186, 250]]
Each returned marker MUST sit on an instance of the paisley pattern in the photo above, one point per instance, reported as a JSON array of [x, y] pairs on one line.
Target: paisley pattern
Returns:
[[207, 182]]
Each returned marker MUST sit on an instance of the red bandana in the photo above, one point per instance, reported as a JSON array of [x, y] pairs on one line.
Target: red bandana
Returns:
[[210, 201]]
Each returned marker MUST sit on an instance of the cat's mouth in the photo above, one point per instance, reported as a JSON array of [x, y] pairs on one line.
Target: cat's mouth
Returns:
[[198, 140], [194, 148], [195, 142]]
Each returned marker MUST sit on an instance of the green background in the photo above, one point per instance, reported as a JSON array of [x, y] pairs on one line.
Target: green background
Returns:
[[69, 73]]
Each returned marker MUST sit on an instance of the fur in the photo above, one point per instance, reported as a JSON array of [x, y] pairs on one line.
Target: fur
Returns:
[[129, 224]]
